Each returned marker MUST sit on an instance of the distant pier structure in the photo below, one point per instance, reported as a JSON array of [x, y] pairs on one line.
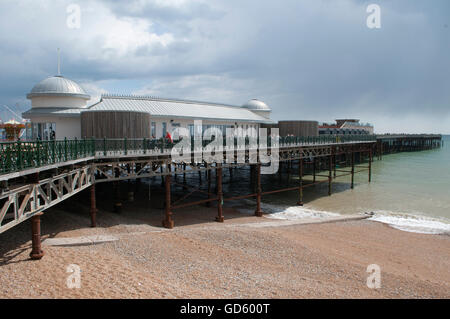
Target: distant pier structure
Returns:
[[395, 143], [295, 128]]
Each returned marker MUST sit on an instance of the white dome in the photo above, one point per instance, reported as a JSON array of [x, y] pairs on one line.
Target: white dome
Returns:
[[256, 105], [58, 86]]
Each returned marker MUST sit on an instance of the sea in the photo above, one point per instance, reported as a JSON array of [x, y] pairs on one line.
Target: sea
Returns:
[[409, 191]]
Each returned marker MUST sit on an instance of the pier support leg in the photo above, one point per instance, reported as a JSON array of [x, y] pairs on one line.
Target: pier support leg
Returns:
[[289, 166], [199, 176], [208, 176], [252, 178], [330, 170], [335, 163], [300, 182], [36, 251], [184, 173], [130, 192], [280, 170], [137, 184], [314, 170], [353, 169], [379, 149], [370, 165], [93, 210], [149, 192], [116, 191], [168, 222], [219, 217], [258, 211], [216, 189]]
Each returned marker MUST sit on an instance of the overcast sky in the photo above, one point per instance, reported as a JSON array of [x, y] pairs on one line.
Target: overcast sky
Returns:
[[307, 59]]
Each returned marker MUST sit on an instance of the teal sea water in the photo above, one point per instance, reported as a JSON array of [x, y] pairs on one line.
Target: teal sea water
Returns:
[[409, 191]]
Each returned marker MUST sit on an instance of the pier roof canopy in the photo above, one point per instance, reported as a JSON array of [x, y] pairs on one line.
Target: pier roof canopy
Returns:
[[158, 107]]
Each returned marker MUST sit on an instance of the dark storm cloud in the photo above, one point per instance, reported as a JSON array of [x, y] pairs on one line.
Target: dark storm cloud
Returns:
[[310, 59]]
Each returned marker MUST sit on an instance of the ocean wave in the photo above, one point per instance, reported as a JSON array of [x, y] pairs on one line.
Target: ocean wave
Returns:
[[294, 212], [416, 223], [289, 212], [413, 223]]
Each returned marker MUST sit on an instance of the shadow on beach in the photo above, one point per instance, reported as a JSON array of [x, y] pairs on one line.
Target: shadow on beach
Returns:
[[147, 207]]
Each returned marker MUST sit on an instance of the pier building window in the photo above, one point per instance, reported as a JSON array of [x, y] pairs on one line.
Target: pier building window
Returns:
[[153, 129], [164, 129], [44, 131]]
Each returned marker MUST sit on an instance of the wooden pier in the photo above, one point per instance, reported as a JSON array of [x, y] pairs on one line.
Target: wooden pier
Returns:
[[38, 175]]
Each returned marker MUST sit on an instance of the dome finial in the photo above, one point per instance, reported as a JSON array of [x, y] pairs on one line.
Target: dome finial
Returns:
[[59, 62]]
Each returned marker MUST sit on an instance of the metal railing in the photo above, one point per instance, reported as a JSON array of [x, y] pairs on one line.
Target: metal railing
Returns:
[[20, 155], [325, 139]]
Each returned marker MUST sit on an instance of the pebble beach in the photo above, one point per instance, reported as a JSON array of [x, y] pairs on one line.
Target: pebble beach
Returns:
[[200, 258]]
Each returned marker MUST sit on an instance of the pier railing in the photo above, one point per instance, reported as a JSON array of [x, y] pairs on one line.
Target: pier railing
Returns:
[[20, 155], [325, 139]]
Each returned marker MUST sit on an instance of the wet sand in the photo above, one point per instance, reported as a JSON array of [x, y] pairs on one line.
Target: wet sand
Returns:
[[200, 258]]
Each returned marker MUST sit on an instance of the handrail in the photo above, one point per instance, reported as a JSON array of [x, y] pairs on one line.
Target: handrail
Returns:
[[20, 155]]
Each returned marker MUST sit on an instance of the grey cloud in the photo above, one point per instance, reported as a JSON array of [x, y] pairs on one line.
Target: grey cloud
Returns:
[[163, 11], [308, 59]]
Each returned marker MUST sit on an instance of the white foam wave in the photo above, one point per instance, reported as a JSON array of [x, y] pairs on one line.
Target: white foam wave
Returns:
[[417, 223], [294, 212], [413, 223], [291, 212]]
